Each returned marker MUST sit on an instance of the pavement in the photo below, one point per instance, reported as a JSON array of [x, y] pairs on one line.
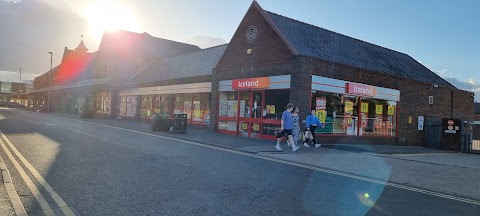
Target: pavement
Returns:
[[101, 170]]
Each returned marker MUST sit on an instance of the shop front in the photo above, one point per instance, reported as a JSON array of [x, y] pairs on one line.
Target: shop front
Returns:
[[252, 107], [191, 99], [354, 109]]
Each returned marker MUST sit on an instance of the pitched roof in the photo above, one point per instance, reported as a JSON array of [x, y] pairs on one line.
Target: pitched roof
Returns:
[[316, 42], [193, 64], [135, 44], [81, 47]]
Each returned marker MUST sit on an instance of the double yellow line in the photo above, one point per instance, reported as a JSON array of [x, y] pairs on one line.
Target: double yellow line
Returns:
[[47, 210]]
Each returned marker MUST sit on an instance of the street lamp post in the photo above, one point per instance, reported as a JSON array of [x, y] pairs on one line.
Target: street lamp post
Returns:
[[20, 69], [49, 82]]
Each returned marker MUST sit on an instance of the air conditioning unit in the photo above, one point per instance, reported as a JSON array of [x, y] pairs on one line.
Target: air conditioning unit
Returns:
[[430, 99]]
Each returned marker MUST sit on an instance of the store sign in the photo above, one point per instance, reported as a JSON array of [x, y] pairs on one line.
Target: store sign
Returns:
[[359, 89], [252, 83]]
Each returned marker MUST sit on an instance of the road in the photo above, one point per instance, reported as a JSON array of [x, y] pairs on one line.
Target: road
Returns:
[[101, 170]]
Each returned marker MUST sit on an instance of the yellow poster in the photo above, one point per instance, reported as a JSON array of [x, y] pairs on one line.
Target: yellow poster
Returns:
[[349, 107], [379, 109], [272, 109], [364, 107], [391, 110], [268, 109], [321, 115], [235, 106], [246, 95], [231, 95], [256, 127], [244, 126]]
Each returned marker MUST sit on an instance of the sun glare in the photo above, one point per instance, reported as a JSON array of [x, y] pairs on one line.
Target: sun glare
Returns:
[[104, 16]]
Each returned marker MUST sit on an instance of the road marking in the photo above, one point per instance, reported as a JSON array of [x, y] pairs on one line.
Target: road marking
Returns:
[[36, 193], [50, 124], [333, 172], [102, 138], [61, 204], [12, 193]]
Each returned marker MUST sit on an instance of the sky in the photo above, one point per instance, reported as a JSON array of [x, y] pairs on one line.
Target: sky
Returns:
[[442, 35]]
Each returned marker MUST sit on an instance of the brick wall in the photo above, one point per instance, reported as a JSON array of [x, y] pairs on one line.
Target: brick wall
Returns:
[[413, 97], [268, 48]]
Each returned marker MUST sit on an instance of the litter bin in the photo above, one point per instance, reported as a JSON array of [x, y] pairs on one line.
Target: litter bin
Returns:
[[179, 123]]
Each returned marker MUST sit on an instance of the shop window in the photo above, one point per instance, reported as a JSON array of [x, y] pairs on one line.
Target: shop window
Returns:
[[337, 112], [131, 106], [378, 117], [275, 103], [257, 101], [146, 106], [228, 104], [245, 104], [179, 103], [200, 109], [161, 104], [187, 106]]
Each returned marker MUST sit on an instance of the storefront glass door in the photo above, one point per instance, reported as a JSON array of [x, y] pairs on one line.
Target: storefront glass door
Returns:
[[250, 113]]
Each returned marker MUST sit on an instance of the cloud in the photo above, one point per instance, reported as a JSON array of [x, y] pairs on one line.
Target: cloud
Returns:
[[206, 41], [469, 85]]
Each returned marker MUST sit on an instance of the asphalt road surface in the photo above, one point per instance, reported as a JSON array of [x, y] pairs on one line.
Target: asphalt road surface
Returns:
[[100, 170]]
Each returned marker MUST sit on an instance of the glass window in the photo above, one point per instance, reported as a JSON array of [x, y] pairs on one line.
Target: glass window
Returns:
[[337, 112], [131, 106], [201, 110], [257, 100], [378, 117], [228, 104], [161, 103], [187, 106], [275, 103], [245, 104], [146, 106], [179, 103]]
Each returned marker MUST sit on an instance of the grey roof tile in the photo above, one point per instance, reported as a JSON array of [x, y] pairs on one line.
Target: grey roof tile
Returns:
[[313, 41], [199, 63]]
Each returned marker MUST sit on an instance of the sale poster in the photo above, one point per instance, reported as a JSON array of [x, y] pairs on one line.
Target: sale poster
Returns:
[[321, 103]]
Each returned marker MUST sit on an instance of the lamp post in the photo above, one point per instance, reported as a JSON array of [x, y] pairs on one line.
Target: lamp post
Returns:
[[49, 82], [20, 69]]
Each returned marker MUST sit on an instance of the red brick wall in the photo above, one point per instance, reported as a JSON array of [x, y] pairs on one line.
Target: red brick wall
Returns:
[[268, 48]]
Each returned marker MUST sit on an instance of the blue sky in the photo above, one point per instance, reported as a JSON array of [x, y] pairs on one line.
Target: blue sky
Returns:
[[442, 35]]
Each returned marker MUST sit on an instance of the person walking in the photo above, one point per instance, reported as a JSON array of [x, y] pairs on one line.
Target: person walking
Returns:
[[296, 126], [312, 124], [286, 129]]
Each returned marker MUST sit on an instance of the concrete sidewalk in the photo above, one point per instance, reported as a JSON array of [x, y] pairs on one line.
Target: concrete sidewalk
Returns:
[[432, 169]]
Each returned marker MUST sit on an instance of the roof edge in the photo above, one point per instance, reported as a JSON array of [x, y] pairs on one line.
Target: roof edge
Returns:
[[275, 28]]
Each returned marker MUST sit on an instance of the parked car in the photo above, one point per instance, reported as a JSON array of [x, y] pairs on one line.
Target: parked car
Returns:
[[11, 104]]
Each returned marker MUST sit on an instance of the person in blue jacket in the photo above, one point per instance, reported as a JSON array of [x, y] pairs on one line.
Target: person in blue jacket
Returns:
[[312, 123]]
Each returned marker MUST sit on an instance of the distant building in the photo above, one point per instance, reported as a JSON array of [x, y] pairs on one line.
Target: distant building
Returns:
[[13, 92]]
